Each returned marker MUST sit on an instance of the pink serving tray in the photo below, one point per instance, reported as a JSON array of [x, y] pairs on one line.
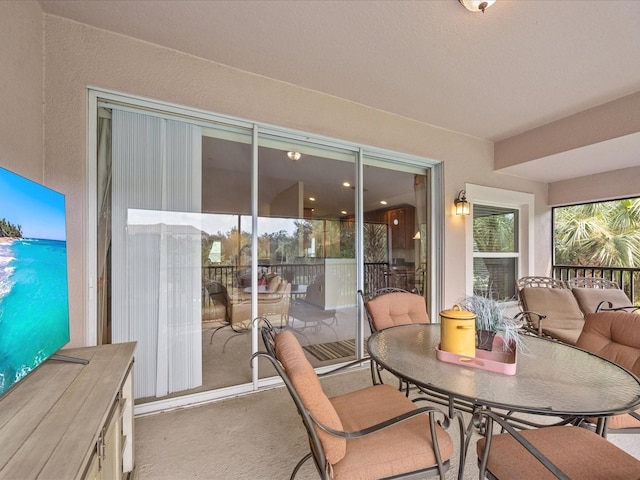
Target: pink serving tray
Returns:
[[497, 360]]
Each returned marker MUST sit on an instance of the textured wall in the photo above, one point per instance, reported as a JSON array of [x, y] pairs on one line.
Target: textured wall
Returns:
[[21, 74], [78, 56]]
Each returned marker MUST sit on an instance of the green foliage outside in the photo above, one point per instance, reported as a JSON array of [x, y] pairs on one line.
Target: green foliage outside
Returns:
[[337, 238], [7, 229], [605, 234]]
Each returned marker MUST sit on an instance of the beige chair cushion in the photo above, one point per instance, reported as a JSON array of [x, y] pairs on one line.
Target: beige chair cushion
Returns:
[[589, 298], [578, 452], [397, 308], [402, 448], [306, 382], [558, 304]]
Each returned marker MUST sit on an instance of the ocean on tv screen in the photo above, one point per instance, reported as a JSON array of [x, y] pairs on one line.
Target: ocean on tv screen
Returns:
[[34, 300], [33, 305]]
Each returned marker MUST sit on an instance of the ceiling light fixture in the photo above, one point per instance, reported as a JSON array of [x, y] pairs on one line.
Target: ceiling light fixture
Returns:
[[476, 5], [383, 202], [294, 155]]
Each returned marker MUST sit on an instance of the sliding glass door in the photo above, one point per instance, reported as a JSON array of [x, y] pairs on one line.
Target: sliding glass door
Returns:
[[306, 237], [397, 236], [206, 224]]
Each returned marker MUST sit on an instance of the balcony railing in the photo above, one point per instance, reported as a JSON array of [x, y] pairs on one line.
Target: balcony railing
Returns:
[[627, 278], [376, 275]]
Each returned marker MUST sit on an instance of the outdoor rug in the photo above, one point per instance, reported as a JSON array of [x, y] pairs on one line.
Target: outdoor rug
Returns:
[[332, 350]]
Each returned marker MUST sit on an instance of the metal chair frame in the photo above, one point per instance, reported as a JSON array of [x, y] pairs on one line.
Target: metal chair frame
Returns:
[[487, 418], [268, 333]]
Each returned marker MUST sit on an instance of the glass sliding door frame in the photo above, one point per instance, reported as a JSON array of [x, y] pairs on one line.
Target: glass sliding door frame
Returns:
[[206, 119]]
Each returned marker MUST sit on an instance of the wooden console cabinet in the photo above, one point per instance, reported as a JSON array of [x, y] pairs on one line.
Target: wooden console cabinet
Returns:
[[71, 421]]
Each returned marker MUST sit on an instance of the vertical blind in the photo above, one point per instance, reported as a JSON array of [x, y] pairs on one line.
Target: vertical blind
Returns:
[[156, 297]]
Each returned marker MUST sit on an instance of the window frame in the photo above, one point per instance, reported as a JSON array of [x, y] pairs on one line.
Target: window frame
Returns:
[[511, 199]]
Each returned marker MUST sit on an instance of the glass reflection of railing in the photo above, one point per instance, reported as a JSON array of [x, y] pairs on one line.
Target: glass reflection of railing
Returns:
[[375, 274], [231, 275]]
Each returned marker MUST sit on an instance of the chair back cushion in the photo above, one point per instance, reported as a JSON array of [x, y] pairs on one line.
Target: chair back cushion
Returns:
[[558, 304], [614, 336], [273, 281], [307, 385], [397, 308], [589, 298]]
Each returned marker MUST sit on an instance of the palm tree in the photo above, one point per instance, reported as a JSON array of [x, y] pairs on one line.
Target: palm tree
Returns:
[[603, 234]]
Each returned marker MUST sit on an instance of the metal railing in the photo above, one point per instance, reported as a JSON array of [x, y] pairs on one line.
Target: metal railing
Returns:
[[376, 275], [628, 279]]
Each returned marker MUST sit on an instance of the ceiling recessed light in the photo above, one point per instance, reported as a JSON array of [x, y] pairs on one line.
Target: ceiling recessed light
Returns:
[[312, 199], [294, 155], [383, 202], [346, 184], [343, 212]]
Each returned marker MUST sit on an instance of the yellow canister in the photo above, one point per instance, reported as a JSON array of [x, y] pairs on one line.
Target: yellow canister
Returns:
[[458, 331]]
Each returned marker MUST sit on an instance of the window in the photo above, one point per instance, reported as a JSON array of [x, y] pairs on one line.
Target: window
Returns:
[[499, 240], [495, 251]]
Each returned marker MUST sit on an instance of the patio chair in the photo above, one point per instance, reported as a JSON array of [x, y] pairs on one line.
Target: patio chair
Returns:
[[388, 307], [616, 337], [564, 452], [599, 294], [372, 433], [550, 309]]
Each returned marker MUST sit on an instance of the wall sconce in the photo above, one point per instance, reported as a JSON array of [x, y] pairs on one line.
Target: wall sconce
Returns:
[[462, 206], [417, 235], [477, 5]]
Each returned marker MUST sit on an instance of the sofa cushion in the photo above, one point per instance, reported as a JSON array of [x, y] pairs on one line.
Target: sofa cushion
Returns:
[[614, 336], [273, 281], [306, 382], [565, 335], [397, 308], [589, 298], [558, 304]]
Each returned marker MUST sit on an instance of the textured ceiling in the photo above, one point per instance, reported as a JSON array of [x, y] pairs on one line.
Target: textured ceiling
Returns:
[[519, 65]]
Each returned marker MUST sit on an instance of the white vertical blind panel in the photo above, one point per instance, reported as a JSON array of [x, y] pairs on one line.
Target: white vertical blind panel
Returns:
[[183, 194], [156, 267], [137, 144]]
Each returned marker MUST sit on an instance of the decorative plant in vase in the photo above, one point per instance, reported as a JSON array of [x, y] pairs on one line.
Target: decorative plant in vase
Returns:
[[491, 319]]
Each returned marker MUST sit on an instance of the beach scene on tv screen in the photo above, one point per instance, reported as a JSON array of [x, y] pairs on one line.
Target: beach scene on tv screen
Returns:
[[34, 311]]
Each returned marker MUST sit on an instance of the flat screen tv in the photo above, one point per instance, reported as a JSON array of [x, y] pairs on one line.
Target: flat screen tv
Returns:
[[34, 306]]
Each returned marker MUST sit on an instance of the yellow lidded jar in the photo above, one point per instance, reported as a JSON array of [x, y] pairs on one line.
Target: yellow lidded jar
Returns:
[[458, 331]]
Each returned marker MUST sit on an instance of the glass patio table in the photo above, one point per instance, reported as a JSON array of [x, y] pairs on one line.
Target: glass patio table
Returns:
[[551, 378]]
